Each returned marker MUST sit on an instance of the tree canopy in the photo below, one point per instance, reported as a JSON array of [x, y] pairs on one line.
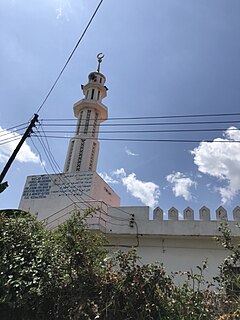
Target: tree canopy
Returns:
[[67, 273]]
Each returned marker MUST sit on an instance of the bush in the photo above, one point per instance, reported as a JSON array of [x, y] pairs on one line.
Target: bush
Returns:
[[67, 274]]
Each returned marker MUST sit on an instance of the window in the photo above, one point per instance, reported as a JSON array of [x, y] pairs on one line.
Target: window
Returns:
[[87, 121], [70, 155], [98, 95], [79, 123], [92, 94], [95, 124], [92, 156], [80, 155]]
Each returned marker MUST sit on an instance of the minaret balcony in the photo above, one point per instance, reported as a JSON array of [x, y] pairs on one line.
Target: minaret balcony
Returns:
[[97, 86], [91, 104]]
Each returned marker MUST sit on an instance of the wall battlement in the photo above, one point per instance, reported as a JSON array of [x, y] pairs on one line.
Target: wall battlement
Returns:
[[221, 214], [130, 220], [176, 224]]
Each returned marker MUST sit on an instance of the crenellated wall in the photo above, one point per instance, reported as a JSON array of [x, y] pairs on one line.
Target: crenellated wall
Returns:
[[176, 224], [180, 241], [204, 214]]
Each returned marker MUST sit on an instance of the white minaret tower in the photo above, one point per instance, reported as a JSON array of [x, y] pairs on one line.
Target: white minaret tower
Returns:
[[55, 196], [83, 148]]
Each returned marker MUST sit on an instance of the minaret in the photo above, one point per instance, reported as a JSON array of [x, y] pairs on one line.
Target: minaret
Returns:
[[55, 196], [83, 147]]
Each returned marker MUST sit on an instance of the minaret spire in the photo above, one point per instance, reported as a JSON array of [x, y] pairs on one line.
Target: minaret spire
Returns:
[[100, 56], [84, 146]]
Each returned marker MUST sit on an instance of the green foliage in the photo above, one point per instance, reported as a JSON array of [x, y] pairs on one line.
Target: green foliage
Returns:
[[82, 262], [229, 276], [43, 273], [135, 292], [27, 265], [67, 274]]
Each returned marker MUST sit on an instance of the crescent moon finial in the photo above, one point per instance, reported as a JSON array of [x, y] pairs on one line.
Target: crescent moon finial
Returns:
[[100, 56]]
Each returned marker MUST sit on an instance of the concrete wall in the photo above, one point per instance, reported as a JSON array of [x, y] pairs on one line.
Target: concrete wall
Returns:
[[176, 253], [180, 245], [54, 197]]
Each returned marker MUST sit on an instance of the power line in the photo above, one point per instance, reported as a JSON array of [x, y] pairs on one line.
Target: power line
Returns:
[[69, 58], [149, 140], [148, 131], [58, 185], [47, 152], [65, 178], [145, 124], [120, 219], [9, 140], [160, 117], [24, 125], [11, 133], [12, 130], [56, 171], [62, 178], [70, 180]]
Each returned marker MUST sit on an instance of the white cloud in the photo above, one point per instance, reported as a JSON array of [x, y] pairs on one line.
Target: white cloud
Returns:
[[63, 9], [221, 160], [147, 192], [107, 178], [119, 173], [181, 185], [24, 155], [130, 153]]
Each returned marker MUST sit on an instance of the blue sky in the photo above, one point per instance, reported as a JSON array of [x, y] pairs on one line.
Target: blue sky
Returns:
[[166, 57]]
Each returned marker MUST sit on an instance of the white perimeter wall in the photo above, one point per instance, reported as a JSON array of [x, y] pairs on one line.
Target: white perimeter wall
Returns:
[[180, 245], [176, 254]]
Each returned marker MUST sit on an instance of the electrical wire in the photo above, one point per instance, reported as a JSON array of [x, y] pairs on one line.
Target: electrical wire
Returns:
[[6, 132], [47, 150], [61, 177], [148, 140], [67, 179], [69, 58], [148, 131], [17, 126], [145, 124], [58, 168], [48, 173], [116, 218], [82, 190], [9, 140], [12, 135], [160, 117]]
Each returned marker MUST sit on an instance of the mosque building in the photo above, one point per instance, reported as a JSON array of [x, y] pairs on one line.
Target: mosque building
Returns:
[[180, 244]]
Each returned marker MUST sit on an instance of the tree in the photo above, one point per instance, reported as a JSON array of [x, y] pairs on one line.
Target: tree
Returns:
[[229, 275], [67, 274], [44, 273]]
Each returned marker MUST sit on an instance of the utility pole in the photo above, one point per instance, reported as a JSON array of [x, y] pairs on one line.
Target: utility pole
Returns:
[[15, 152]]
